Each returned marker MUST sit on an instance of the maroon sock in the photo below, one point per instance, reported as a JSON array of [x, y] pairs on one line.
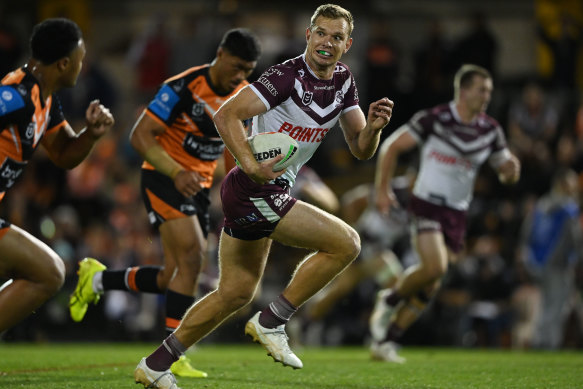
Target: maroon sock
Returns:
[[165, 355], [394, 333], [277, 313]]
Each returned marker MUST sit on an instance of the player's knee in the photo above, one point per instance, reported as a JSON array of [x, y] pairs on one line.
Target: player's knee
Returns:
[[436, 271], [191, 260], [352, 245], [53, 277], [237, 298]]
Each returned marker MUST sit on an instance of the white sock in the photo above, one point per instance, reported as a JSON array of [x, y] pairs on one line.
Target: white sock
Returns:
[[97, 283]]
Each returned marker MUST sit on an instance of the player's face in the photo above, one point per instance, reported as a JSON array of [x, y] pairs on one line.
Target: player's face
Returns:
[[478, 94], [326, 42], [231, 71], [74, 65]]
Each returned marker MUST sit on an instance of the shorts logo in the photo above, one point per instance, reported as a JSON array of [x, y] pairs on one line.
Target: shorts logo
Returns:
[[30, 130], [185, 208], [197, 109], [245, 220], [280, 200], [307, 97], [164, 97]]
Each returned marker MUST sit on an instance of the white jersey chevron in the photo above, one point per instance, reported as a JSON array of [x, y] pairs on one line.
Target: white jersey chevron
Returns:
[[452, 153], [302, 105]]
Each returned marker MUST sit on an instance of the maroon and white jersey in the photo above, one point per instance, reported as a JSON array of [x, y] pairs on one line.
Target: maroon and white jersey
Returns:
[[452, 153], [303, 106]]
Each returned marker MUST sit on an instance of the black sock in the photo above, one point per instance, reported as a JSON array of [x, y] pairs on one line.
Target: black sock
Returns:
[[165, 355], [393, 298], [176, 306], [394, 333], [138, 279], [277, 313]]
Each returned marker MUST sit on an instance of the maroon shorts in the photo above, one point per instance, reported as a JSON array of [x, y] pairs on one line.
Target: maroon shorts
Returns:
[[252, 211], [432, 217]]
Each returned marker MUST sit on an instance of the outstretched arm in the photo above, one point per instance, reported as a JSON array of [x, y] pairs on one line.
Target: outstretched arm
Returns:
[[67, 149], [362, 134], [396, 144]]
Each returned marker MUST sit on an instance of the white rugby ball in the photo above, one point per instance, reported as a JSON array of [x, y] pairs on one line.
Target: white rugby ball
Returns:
[[268, 145]]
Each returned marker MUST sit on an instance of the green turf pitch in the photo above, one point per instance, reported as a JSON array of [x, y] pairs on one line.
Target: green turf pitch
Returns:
[[107, 366]]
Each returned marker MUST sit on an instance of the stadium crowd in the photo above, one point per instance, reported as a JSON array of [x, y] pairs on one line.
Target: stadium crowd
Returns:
[[492, 298]]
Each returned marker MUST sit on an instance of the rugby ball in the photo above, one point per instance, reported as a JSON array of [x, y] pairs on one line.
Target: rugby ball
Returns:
[[268, 145]]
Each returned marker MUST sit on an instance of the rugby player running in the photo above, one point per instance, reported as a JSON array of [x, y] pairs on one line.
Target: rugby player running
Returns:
[[304, 96]]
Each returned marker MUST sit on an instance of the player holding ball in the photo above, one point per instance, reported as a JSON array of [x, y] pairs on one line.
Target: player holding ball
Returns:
[[303, 97]]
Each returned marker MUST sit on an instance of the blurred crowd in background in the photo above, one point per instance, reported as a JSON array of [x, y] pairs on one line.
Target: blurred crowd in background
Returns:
[[496, 297]]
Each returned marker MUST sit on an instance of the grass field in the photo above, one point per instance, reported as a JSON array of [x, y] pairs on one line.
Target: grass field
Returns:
[[107, 366]]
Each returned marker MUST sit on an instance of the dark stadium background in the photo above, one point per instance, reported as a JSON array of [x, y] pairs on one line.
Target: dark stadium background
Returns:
[[405, 49]]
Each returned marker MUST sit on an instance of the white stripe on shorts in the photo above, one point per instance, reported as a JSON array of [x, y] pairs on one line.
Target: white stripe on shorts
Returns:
[[265, 209]]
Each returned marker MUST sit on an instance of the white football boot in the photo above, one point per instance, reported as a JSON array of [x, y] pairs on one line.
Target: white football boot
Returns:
[[274, 340], [381, 316], [154, 379], [386, 351]]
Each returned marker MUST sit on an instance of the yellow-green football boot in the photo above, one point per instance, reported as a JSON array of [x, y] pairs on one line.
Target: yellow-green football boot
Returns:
[[183, 368], [84, 293]]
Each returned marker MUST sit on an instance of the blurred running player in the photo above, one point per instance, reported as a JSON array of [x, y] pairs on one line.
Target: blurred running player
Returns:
[[304, 97], [455, 139], [178, 140], [378, 234], [30, 115]]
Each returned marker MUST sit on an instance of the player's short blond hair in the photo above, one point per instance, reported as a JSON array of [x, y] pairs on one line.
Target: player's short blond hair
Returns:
[[332, 11], [465, 76]]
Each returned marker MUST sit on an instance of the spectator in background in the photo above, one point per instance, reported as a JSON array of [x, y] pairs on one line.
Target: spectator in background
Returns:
[[434, 68], [191, 44], [564, 48], [10, 47], [532, 130], [150, 57], [93, 83], [382, 61], [551, 246], [479, 46]]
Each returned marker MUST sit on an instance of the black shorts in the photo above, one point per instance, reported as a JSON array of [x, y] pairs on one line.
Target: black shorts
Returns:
[[4, 226], [164, 202]]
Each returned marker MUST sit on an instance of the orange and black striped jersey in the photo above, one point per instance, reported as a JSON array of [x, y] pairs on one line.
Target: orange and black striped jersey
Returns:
[[24, 120], [185, 105]]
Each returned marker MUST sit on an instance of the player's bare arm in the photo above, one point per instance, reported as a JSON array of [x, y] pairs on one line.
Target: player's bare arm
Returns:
[[143, 139], [396, 144], [67, 149], [363, 134], [229, 122]]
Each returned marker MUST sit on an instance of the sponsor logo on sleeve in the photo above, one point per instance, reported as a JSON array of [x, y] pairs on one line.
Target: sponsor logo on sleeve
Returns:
[[164, 102], [9, 100]]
